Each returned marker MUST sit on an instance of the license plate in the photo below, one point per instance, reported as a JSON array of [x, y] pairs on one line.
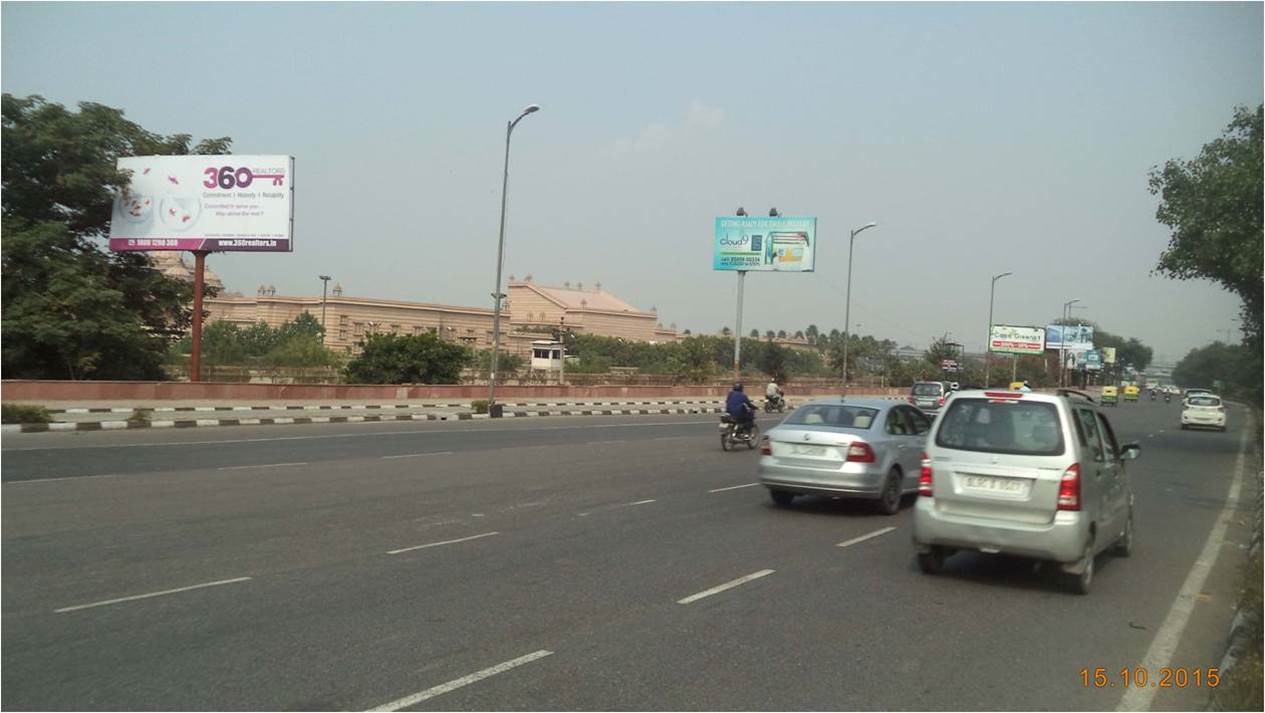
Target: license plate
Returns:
[[724, 427], [799, 450], [1007, 486]]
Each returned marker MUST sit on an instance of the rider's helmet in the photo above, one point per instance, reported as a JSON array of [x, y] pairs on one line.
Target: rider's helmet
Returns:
[[737, 386]]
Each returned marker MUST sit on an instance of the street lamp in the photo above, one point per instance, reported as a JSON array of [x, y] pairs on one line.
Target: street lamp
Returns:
[[988, 339], [847, 304], [497, 295], [324, 289]]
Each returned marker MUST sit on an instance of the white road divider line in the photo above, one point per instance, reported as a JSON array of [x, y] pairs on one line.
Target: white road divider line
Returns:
[[445, 542], [863, 538], [641, 502], [460, 682], [77, 607], [732, 487], [1160, 653], [263, 465], [727, 585], [415, 455]]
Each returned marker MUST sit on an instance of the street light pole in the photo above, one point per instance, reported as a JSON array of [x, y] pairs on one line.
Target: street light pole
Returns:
[[1067, 309], [324, 288], [988, 339], [847, 302], [497, 296]]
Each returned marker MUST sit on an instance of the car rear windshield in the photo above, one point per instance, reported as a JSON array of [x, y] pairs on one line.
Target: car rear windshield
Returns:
[[1016, 427], [927, 389], [1204, 401], [833, 415]]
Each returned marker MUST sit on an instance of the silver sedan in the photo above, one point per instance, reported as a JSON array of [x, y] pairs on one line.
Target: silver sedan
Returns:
[[849, 447]]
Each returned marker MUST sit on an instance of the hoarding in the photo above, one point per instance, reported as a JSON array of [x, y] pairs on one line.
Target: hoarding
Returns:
[[214, 203], [1089, 360], [1073, 337], [782, 244], [1109, 355], [1016, 340]]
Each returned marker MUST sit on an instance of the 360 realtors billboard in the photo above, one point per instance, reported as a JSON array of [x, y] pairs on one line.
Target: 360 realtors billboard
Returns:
[[782, 244], [1072, 337], [1016, 340], [214, 203]]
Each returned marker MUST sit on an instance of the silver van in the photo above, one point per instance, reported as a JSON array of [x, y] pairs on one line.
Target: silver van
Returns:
[[1024, 473]]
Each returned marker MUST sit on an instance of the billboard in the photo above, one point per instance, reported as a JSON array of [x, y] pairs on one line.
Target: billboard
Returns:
[[1016, 340], [782, 244], [1090, 360], [1109, 355], [215, 203], [1074, 337]]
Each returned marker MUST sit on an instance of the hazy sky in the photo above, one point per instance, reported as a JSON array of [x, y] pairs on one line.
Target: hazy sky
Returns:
[[982, 137]]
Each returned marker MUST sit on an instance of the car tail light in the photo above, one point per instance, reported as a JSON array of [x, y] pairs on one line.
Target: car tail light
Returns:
[[940, 401], [1070, 488], [860, 452], [766, 448], [924, 477], [910, 399]]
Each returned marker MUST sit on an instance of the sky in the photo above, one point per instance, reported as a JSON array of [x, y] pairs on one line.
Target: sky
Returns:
[[983, 138]]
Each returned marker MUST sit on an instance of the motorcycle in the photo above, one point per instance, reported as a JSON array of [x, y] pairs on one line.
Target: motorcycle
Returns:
[[1167, 397], [1152, 394], [732, 433], [775, 403]]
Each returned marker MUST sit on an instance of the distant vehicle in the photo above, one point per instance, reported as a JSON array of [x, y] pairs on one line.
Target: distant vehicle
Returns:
[[1027, 474], [732, 433], [1131, 392], [1187, 393], [856, 448], [1110, 396], [928, 395], [1203, 410]]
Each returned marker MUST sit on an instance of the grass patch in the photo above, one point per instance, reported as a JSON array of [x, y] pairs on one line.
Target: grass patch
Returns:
[[139, 417], [24, 413], [479, 406]]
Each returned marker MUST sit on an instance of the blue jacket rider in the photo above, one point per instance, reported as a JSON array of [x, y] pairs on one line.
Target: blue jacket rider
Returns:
[[739, 406]]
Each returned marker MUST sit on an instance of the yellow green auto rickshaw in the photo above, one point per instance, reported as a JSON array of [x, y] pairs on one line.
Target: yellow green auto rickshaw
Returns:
[[1131, 393], [1110, 395]]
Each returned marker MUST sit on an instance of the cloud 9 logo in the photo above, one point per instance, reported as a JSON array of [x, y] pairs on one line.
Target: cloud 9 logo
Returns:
[[735, 243]]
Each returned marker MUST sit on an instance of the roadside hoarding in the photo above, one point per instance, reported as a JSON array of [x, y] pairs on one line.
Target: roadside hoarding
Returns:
[[212, 203], [1016, 340], [1089, 360], [782, 244], [1109, 355], [1072, 337]]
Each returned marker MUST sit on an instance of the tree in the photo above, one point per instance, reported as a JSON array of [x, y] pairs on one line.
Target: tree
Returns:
[[773, 362], [940, 350], [781, 334], [755, 334], [726, 331], [1233, 369], [799, 335], [770, 334], [1213, 206], [72, 310], [812, 332], [408, 359], [692, 361]]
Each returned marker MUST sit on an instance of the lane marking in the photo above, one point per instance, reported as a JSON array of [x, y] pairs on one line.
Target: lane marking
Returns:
[[265, 465], [863, 538], [439, 431], [640, 502], [70, 477], [732, 487], [1160, 653], [77, 607], [415, 455], [460, 682], [727, 585], [445, 542]]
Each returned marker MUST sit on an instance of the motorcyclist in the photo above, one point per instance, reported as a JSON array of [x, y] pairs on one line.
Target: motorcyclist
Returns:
[[1025, 386], [773, 392], [740, 408]]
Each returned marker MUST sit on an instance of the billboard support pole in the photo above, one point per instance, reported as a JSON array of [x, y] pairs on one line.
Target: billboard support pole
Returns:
[[195, 357], [742, 278], [1014, 368], [988, 342]]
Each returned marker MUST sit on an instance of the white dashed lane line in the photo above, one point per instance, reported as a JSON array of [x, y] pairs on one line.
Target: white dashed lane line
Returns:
[[732, 487], [418, 455], [444, 542], [727, 585], [262, 465], [863, 538], [454, 684], [77, 607]]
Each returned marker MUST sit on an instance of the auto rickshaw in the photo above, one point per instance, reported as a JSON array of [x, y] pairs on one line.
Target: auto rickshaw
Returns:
[[1110, 395], [1015, 385], [1131, 393]]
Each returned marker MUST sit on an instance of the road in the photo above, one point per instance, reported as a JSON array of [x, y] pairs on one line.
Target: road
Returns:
[[355, 566]]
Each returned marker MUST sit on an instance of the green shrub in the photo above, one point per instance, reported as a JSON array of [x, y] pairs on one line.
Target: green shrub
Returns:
[[479, 406], [139, 416], [24, 413]]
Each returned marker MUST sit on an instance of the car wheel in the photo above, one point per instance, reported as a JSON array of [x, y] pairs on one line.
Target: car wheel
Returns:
[[932, 562], [782, 498], [889, 499], [1081, 582], [1124, 546]]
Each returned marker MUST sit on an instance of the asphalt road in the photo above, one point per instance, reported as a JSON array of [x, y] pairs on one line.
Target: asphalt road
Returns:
[[363, 565]]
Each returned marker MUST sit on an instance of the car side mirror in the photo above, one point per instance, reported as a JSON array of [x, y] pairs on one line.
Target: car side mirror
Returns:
[[1130, 451]]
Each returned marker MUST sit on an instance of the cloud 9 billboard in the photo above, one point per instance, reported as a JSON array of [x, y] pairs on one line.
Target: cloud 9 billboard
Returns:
[[1016, 340], [784, 244], [214, 203]]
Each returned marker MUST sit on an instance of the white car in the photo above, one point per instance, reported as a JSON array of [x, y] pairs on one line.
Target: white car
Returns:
[[1203, 411]]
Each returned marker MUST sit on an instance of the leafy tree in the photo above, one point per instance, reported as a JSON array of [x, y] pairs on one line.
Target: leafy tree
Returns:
[[506, 362], [71, 309], [812, 332], [692, 361], [726, 331], [834, 335], [799, 335], [1234, 368], [1213, 206], [755, 334], [781, 334], [408, 359], [770, 334]]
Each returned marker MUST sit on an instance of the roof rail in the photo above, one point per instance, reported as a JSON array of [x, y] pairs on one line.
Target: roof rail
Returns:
[[1075, 392]]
